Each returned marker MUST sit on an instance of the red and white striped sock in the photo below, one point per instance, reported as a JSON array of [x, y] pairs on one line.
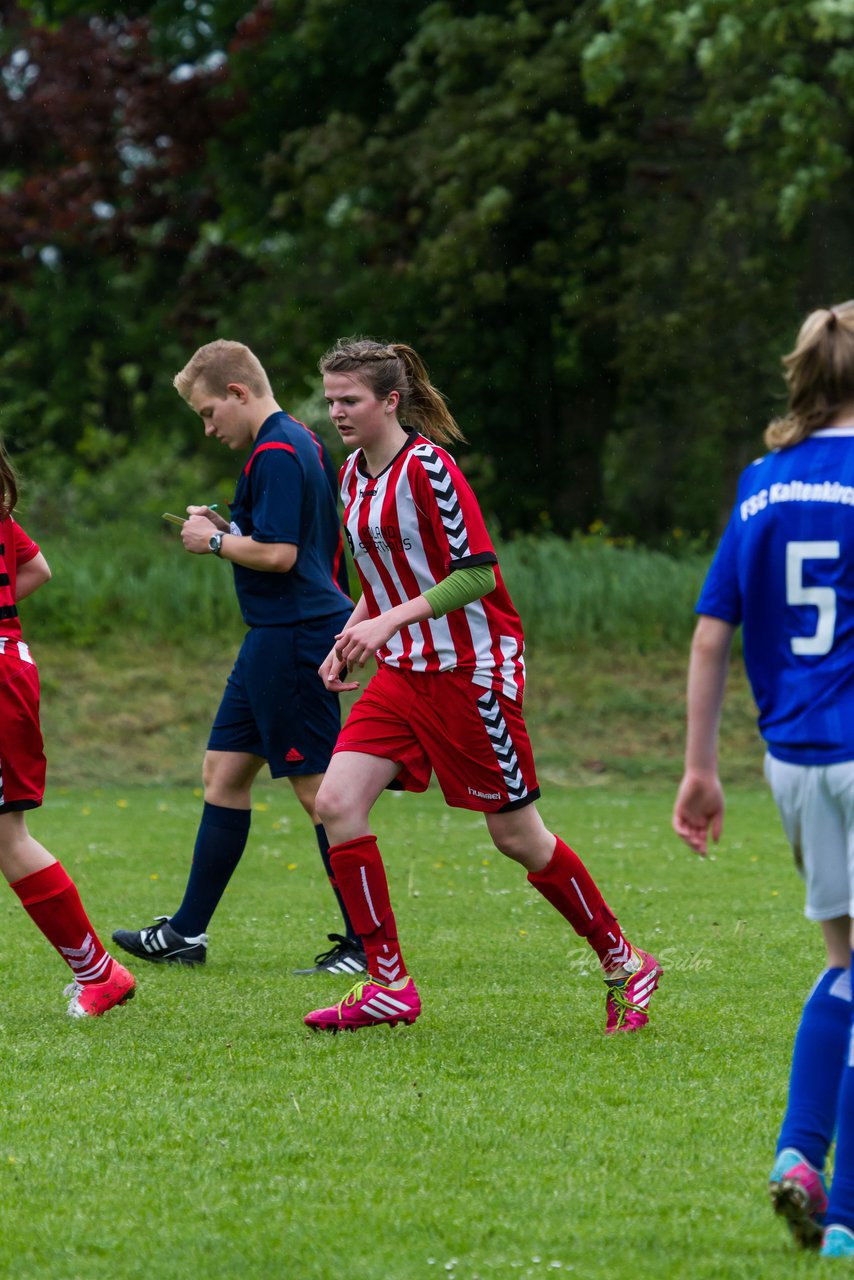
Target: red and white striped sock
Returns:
[[360, 878], [569, 887], [52, 902]]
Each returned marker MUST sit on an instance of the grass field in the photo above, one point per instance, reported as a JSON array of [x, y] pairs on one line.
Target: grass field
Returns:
[[138, 712], [203, 1131]]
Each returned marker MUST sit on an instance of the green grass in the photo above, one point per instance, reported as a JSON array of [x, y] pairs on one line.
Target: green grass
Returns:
[[202, 1131]]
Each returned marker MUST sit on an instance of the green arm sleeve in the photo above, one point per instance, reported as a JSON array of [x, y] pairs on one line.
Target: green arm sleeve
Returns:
[[461, 586]]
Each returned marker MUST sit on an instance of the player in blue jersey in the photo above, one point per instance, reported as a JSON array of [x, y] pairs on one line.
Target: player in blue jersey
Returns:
[[284, 543], [784, 571]]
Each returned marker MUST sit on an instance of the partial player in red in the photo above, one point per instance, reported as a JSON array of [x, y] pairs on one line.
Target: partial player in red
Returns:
[[43, 885], [447, 696]]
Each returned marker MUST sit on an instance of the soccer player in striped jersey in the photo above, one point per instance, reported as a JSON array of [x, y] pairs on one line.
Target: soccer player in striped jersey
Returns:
[[784, 570], [447, 695], [286, 550], [44, 887]]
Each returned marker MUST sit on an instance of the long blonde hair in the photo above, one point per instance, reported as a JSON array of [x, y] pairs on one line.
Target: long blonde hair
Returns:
[[394, 366], [8, 484], [819, 374]]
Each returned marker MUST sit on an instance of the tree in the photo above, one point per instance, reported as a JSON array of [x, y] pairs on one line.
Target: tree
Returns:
[[738, 209], [600, 223], [102, 196]]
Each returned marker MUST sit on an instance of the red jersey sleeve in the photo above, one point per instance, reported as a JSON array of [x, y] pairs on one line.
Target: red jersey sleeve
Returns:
[[25, 548], [16, 549]]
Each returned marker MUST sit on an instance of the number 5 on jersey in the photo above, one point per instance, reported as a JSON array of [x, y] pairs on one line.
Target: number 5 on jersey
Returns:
[[821, 598]]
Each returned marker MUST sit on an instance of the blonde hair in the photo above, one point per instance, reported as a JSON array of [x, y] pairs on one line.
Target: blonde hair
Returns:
[[219, 363], [8, 484], [393, 366], [819, 374]]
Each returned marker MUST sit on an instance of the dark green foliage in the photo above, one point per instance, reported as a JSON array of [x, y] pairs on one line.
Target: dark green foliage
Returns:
[[600, 223]]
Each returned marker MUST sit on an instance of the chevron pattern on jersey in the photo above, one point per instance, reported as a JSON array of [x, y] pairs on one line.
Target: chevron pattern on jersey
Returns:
[[502, 744], [446, 500]]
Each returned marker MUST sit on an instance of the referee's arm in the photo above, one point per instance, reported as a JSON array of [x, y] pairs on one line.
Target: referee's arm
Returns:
[[266, 557]]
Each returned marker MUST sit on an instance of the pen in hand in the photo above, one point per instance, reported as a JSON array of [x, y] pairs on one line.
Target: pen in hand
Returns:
[[179, 520]]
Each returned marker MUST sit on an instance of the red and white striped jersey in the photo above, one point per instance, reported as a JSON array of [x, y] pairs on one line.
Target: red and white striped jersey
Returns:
[[408, 528], [16, 549]]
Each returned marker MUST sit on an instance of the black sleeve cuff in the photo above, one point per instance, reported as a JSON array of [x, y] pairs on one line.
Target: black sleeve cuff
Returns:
[[472, 562]]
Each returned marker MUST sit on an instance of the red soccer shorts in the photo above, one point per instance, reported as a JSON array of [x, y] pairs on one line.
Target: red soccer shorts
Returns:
[[22, 762], [473, 739]]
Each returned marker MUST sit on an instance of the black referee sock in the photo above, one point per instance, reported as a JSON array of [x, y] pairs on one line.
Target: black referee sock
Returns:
[[219, 847], [323, 846]]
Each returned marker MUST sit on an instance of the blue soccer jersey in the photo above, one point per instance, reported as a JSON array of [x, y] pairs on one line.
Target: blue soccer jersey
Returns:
[[785, 570], [287, 492]]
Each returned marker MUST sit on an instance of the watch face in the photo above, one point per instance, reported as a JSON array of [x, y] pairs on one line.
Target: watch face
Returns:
[[215, 543]]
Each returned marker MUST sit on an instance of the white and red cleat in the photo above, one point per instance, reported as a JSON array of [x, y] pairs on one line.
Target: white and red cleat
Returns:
[[91, 999], [369, 1004]]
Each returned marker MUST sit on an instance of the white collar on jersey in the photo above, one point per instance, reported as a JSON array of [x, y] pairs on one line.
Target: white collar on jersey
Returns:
[[832, 431]]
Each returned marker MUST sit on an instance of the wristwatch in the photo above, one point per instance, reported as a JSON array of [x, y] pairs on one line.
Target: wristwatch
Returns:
[[215, 544]]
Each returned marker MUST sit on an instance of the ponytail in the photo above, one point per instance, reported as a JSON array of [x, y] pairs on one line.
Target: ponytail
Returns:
[[426, 407], [819, 374]]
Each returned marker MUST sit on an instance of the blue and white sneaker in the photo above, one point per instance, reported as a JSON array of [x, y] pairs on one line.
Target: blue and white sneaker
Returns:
[[838, 1243], [799, 1194]]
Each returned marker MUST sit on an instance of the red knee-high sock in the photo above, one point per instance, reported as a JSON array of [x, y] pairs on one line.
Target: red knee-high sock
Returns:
[[359, 873], [52, 902], [569, 886]]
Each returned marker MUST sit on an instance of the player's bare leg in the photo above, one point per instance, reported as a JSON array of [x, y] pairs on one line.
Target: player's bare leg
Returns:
[[306, 787], [20, 853], [50, 898], [351, 787], [562, 878], [228, 777]]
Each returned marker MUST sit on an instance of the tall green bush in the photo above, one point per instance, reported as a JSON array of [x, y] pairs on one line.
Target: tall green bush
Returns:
[[136, 577]]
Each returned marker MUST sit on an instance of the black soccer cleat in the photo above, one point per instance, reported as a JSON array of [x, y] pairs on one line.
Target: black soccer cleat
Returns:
[[160, 943], [347, 955]]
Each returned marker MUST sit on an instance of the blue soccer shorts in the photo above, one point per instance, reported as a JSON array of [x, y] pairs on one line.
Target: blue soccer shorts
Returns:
[[275, 704]]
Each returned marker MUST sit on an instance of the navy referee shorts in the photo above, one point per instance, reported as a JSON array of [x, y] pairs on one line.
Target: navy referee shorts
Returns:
[[275, 704]]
